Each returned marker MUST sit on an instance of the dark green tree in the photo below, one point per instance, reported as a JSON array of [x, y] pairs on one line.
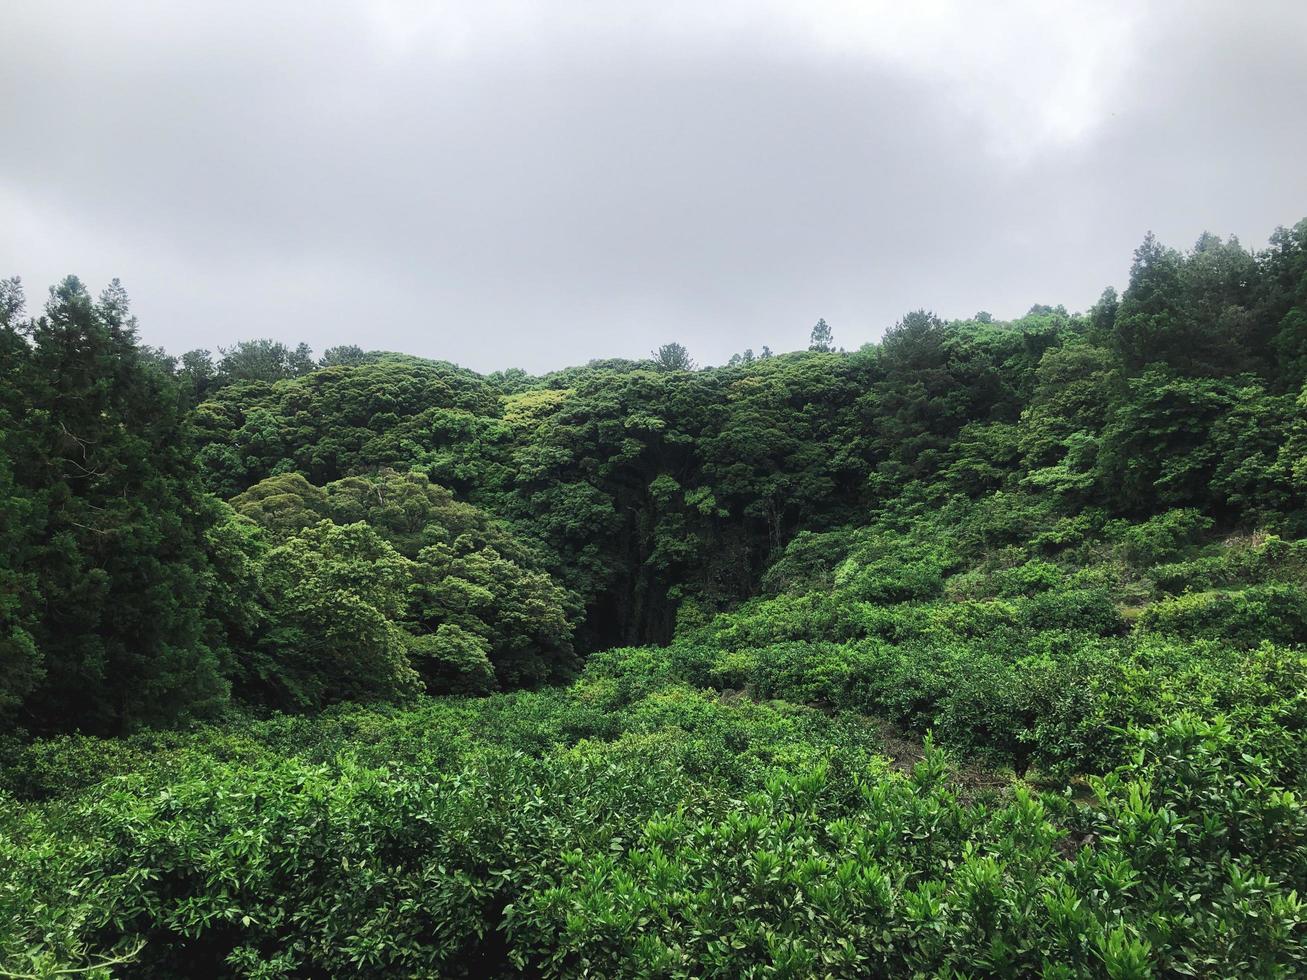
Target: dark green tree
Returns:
[[1281, 306], [115, 525], [346, 354], [22, 514], [198, 374], [263, 360]]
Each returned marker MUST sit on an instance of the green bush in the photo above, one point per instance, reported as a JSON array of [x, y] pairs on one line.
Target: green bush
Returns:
[[1159, 539], [660, 853], [1275, 613]]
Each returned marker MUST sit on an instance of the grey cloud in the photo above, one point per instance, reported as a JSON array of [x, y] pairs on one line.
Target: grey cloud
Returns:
[[500, 188]]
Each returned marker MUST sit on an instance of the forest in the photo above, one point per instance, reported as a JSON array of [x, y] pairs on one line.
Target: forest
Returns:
[[980, 650]]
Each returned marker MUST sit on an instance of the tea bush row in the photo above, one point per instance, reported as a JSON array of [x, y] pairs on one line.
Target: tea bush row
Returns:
[[653, 854]]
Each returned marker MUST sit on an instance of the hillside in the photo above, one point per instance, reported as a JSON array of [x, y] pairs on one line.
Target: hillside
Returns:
[[978, 651]]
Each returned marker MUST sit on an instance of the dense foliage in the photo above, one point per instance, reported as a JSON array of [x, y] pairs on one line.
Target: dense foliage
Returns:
[[634, 826], [981, 650]]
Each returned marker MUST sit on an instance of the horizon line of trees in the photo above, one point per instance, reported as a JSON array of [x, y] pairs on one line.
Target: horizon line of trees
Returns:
[[1225, 282]]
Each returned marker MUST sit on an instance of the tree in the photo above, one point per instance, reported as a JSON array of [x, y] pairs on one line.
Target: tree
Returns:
[[452, 660], [934, 380], [336, 596], [1281, 305], [284, 505], [300, 360], [12, 303], [742, 360], [1293, 454], [394, 411], [263, 360], [1102, 317], [1157, 448], [821, 338], [114, 540], [22, 515], [1073, 386], [1193, 313], [461, 570], [198, 373], [347, 354], [472, 601], [673, 357]]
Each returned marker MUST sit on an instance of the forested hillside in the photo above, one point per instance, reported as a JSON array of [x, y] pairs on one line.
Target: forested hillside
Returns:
[[976, 651]]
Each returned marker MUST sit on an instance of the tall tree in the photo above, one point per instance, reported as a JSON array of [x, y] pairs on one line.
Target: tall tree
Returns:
[[337, 594], [821, 339], [197, 373], [21, 513], [673, 357], [116, 538], [1281, 304]]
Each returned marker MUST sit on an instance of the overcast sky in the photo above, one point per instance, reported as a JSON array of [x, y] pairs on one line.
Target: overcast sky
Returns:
[[537, 184]]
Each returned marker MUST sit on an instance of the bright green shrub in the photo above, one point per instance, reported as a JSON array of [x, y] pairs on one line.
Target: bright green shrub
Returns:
[[1237, 562], [1105, 687], [910, 881], [1275, 613], [905, 574], [805, 673], [1161, 538], [465, 838], [1202, 573], [1030, 578], [786, 618], [1069, 532], [1197, 834], [808, 563], [733, 669], [1079, 610], [67, 763]]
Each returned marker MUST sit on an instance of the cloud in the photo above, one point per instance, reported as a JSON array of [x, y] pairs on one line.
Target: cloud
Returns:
[[528, 184]]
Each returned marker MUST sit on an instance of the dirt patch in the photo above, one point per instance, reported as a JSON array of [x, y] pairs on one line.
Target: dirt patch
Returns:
[[901, 748]]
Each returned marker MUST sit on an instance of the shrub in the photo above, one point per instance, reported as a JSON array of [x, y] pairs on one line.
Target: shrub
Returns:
[[1275, 613], [1161, 538], [705, 837]]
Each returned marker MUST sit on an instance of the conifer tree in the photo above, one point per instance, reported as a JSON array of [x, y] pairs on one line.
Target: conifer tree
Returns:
[[115, 532], [822, 338]]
